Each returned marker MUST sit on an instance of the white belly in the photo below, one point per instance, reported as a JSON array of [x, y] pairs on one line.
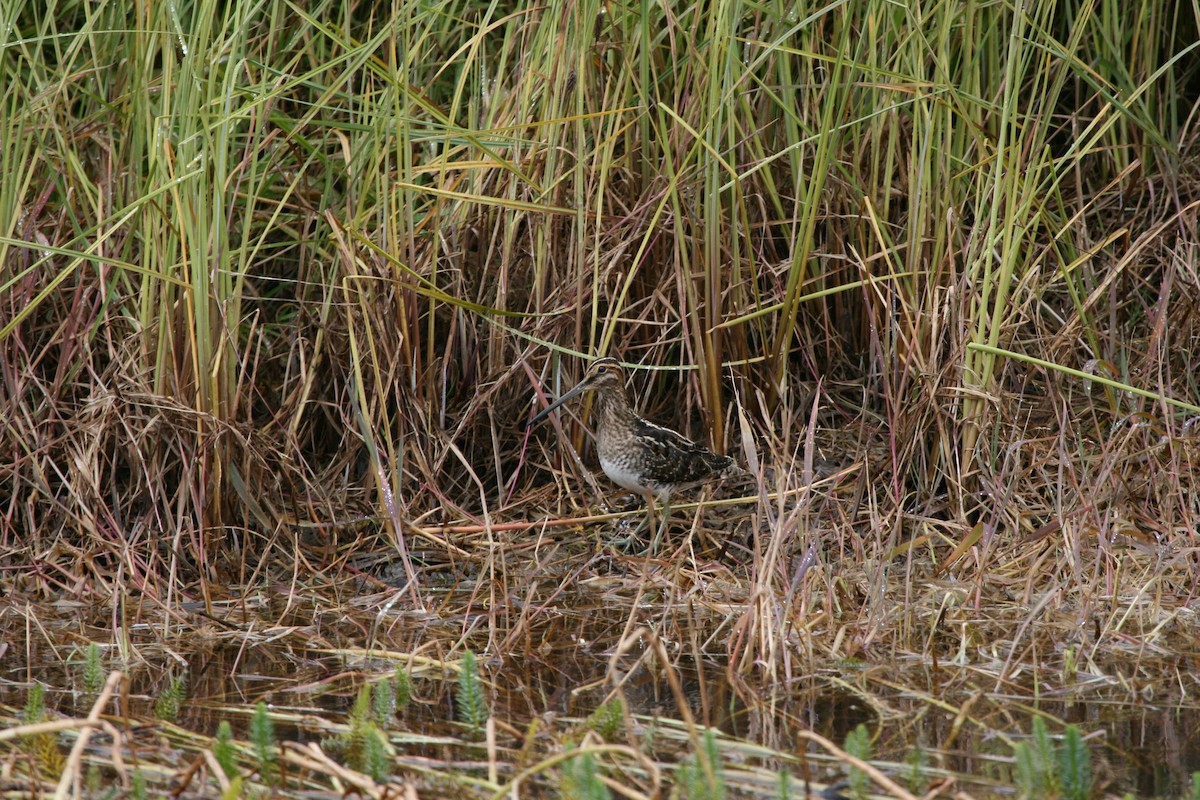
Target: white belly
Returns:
[[619, 473]]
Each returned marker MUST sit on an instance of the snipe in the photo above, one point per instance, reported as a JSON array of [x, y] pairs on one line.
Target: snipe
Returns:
[[637, 455]]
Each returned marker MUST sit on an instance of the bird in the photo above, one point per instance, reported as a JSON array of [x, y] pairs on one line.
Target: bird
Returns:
[[647, 459]]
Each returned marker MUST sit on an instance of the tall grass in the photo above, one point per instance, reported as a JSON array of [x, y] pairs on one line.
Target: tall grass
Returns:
[[268, 267]]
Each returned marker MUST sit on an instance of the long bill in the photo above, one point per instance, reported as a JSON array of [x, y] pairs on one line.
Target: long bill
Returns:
[[541, 415]]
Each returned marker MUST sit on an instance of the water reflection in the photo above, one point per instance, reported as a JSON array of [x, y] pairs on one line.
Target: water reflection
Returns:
[[308, 661]]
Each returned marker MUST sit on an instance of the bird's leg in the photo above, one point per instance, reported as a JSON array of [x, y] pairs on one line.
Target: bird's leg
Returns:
[[655, 533], [626, 541], [652, 529]]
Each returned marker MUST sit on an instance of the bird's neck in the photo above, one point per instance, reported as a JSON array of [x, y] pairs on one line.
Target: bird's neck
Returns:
[[612, 409]]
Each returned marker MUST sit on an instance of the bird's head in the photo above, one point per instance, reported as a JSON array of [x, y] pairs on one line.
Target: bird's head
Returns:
[[604, 373]]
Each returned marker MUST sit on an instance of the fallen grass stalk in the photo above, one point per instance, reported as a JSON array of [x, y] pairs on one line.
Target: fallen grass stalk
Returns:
[[1088, 377], [72, 771], [878, 777]]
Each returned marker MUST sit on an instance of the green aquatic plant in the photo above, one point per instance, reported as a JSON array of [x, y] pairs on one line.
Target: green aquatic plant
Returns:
[[35, 704], [858, 744], [383, 701], [223, 750], [581, 779], [1075, 765], [785, 785], [262, 739], [470, 700], [402, 687], [137, 786], [608, 719], [376, 754], [93, 670], [353, 740], [1045, 769], [1035, 760], [43, 747], [93, 780], [235, 789], [171, 700], [701, 776], [363, 745], [917, 760]]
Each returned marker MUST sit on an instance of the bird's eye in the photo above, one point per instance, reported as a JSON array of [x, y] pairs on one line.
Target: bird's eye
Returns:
[[602, 370]]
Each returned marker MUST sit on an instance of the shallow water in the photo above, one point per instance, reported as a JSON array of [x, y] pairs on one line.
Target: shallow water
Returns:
[[306, 658]]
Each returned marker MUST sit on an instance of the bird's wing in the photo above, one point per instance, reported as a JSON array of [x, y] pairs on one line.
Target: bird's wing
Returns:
[[675, 459]]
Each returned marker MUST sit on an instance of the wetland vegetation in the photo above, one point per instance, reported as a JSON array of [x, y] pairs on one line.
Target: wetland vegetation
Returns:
[[281, 285]]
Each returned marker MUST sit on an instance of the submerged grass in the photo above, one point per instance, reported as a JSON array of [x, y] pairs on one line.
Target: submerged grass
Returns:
[[280, 285]]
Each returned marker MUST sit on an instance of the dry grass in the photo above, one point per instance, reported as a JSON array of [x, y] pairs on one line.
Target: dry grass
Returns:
[[279, 291]]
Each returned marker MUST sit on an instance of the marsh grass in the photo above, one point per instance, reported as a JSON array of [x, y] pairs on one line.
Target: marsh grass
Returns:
[[280, 285]]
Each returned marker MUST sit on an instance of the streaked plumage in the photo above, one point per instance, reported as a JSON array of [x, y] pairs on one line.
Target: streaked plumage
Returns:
[[635, 454]]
